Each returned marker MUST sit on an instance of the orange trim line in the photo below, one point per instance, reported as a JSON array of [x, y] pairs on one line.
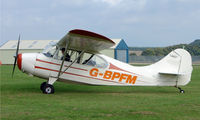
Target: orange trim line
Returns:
[[38, 67], [113, 67], [59, 64]]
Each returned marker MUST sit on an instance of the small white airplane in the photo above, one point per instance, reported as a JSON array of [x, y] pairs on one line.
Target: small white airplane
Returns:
[[76, 59]]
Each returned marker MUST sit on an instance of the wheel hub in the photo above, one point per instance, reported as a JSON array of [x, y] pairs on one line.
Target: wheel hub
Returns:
[[48, 90]]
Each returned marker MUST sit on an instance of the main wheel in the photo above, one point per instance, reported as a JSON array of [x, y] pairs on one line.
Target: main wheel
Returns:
[[182, 91], [48, 89], [42, 85]]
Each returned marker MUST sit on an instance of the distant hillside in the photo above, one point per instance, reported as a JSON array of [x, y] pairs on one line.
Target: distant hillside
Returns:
[[193, 48], [139, 48], [195, 43]]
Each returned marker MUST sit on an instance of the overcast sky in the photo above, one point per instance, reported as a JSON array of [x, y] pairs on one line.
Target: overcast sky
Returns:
[[139, 22]]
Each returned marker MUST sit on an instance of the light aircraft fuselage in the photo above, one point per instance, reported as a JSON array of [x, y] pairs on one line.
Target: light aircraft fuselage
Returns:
[[86, 66]]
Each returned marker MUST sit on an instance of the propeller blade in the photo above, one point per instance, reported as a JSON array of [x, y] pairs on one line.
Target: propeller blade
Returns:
[[16, 56], [14, 66]]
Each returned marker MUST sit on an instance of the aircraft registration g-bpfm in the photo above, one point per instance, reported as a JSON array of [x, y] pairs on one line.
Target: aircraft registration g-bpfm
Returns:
[[76, 58]]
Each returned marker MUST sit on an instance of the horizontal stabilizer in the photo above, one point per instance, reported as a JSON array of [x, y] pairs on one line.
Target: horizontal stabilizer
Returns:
[[170, 74]]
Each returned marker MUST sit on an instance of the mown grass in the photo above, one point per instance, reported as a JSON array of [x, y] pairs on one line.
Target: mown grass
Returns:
[[21, 99]]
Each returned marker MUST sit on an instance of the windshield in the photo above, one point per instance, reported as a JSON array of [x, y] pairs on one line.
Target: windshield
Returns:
[[50, 49]]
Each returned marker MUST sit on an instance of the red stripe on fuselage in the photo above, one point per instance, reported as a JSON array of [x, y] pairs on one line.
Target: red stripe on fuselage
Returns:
[[117, 68], [38, 67], [60, 64]]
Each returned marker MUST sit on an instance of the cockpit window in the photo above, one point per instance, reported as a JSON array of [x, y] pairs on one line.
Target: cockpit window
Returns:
[[50, 49], [94, 60], [49, 52], [58, 54], [100, 62], [84, 59]]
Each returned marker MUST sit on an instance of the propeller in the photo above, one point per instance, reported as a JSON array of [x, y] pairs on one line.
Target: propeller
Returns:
[[16, 56]]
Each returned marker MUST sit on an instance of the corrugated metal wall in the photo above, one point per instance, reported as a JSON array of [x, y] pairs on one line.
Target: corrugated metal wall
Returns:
[[119, 52], [6, 56], [109, 52]]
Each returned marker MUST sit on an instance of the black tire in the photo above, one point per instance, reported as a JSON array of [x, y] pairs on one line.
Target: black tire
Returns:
[[42, 85], [48, 89], [182, 91]]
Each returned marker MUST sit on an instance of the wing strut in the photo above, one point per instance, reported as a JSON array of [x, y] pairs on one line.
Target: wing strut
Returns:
[[65, 54], [72, 62], [61, 72]]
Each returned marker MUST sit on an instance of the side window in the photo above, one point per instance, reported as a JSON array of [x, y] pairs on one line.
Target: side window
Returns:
[[70, 56], [60, 55], [73, 55], [100, 62], [94, 60], [86, 58]]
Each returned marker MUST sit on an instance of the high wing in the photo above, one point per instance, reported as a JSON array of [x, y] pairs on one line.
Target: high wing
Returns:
[[82, 40]]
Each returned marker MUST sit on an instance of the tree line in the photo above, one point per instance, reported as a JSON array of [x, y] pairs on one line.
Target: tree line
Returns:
[[193, 48]]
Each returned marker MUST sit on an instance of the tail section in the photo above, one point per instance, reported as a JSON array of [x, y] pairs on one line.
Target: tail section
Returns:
[[176, 66]]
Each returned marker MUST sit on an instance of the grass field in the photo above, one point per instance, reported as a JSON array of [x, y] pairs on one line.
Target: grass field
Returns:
[[21, 99]]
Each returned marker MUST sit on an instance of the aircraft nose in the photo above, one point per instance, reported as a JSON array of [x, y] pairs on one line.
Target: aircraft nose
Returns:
[[19, 61], [27, 62]]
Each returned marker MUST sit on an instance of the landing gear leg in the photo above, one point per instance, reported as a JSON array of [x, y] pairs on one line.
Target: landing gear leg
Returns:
[[181, 91]]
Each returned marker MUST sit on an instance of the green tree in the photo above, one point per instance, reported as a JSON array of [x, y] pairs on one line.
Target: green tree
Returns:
[[148, 52]]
